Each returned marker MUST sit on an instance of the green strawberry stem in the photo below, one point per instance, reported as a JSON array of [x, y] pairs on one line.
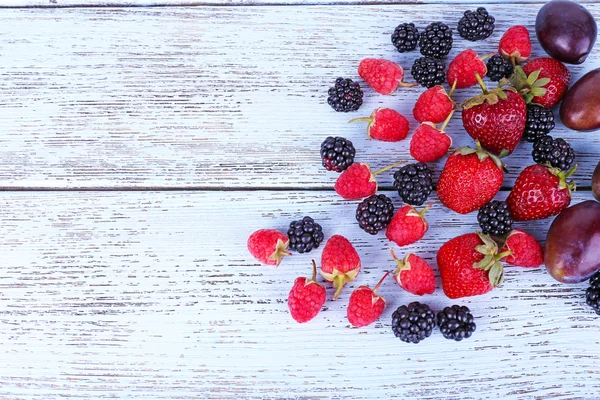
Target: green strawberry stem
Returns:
[[365, 119], [380, 282], [562, 177], [504, 254], [314, 276], [387, 168], [446, 121]]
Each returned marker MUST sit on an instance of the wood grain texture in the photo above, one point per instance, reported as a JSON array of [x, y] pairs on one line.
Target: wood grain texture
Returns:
[[209, 97], [153, 295]]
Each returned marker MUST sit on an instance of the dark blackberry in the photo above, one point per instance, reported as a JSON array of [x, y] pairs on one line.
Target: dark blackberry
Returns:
[[337, 153], [476, 25], [374, 213], [456, 323], [413, 323], [428, 72], [345, 96], [540, 121], [405, 37], [495, 218], [557, 152], [436, 40], [592, 295], [304, 235], [498, 67], [414, 183]]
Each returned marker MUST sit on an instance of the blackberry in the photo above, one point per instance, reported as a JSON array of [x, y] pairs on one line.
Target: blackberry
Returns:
[[337, 153], [428, 72], [413, 323], [476, 25], [345, 96], [456, 323], [495, 218], [414, 183], [375, 213], [540, 121], [436, 40], [592, 294], [557, 152], [304, 235], [498, 67], [405, 37]]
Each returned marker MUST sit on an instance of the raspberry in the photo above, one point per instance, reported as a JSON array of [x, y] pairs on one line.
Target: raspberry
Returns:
[[407, 226], [515, 44], [414, 275], [340, 262], [463, 70], [433, 105], [268, 246], [525, 250], [405, 37], [306, 298], [345, 95], [436, 40], [382, 75], [358, 182], [429, 143], [428, 71], [386, 125], [365, 307]]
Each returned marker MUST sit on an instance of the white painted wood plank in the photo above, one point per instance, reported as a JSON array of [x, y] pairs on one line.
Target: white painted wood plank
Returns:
[[152, 295], [208, 97]]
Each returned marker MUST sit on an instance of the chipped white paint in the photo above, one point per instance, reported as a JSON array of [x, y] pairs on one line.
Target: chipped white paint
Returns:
[[152, 295]]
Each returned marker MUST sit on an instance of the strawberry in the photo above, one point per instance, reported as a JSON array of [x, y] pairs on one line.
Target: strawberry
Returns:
[[382, 75], [515, 44], [495, 118], [540, 192], [340, 262], [268, 246], [365, 307], [414, 275], [543, 81], [358, 182], [469, 179], [462, 70], [306, 297], [469, 265], [433, 105], [407, 226], [429, 143], [386, 125], [522, 249]]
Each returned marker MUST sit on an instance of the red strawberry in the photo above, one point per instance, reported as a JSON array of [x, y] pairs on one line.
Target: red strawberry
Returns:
[[429, 143], [540, 192], [543, 81], [382, 75], [306, 297], [407, 226], [495, 118], [469, 265], [386, 125], [358, 182], [365, 307], [340, 262], [469, 179], [433, 105], [523, 250], [462, 70], [268, 246], [515, 44], [414, 275]]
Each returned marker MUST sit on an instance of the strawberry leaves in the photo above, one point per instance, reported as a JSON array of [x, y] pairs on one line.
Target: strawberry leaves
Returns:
[[528, 86]]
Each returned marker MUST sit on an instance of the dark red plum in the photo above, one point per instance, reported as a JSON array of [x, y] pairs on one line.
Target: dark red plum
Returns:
[[579, 108], [572, 251], [596, 182], [566, 30]]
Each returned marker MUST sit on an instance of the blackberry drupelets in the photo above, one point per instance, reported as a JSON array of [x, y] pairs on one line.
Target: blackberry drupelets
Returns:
[[428, 72], [539, 123], [498, 67], [304, 235], [476, 25], [592, 295], [345, 95], [337, 153], [436, 40], [456, 323], [405, 37], [374, 213], [557, 152], [414, 183], [413, 323], [494, 218]]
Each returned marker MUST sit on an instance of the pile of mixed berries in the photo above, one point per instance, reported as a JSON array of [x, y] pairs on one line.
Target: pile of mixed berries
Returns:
[[518, 109]]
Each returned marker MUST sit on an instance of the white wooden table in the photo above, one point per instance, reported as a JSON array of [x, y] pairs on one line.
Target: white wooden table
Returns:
[[140, 146]]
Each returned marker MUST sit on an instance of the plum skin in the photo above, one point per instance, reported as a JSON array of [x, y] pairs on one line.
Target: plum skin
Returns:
[[596, 182], [572, 251]]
